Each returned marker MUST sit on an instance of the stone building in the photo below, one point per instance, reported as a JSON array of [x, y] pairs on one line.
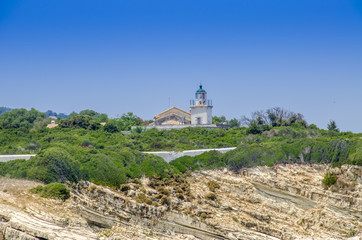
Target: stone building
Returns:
[[200, 114], [173, 116]]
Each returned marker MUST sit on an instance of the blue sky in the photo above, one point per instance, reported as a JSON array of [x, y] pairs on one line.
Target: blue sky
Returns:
[[120, 56]]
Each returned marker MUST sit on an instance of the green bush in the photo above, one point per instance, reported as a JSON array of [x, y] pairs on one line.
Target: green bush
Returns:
[[102, 170], [52, 190], [164, 191], [54, 164], [165, 200], [142, 198], [213, 185], [329, 179], [38, 189], [203, 216], [206, 160], [125, 187], [211, 196]]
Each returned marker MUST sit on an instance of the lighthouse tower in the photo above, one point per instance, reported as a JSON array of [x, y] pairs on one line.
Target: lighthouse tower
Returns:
[[201, 108]]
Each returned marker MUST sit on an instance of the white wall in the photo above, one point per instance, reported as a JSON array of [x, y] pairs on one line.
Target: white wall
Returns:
[[7, 158], [169, 127], [203, 112], [169, 156]]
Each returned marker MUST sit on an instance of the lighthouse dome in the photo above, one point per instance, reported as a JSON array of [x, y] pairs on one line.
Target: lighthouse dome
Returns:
[[200, 90]]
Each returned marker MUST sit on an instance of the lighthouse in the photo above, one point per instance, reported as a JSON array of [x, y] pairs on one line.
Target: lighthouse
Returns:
[[201, 108]]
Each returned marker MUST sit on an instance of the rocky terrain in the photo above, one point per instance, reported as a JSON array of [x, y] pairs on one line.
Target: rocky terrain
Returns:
[[280, 202]]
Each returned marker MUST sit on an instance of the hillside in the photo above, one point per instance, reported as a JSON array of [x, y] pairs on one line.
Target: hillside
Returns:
[[287, 180], [280, 202]]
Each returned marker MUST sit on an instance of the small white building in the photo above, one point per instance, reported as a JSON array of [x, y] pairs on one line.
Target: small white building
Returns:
[[201, 108], [200, 115]]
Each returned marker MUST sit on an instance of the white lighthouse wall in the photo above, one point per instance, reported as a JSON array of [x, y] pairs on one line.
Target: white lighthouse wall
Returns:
[[209, 115], [202, 112]]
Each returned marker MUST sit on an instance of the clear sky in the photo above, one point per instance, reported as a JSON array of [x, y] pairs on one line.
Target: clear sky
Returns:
[[117, 56]]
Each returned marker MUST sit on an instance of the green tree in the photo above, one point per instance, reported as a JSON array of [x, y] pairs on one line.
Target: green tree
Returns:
[[88, 112], [72, 114], [98, 117], [218, 120], [54, 164], [332, 126], [276, 117], [257, 126], [234, 123], [20, 118], [126, 121], [80, 121], [111, 127]]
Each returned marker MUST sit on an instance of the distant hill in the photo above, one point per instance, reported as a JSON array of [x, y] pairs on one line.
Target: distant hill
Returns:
[[50, 113], [4, 109]]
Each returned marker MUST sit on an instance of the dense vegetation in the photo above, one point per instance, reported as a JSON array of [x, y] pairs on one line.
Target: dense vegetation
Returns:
[[74, 154], [82, 148], [52, 190], [263, 151]]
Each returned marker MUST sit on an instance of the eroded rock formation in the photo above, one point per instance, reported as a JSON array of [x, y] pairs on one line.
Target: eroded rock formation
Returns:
[[280, 202]]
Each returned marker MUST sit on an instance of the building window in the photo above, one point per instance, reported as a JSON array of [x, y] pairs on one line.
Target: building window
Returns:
[[198, 120]]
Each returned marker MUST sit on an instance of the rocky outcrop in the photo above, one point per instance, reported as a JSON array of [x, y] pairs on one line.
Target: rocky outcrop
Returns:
[[105, 208], [29, 227], [289, 201], [27, 216], [280, 202]]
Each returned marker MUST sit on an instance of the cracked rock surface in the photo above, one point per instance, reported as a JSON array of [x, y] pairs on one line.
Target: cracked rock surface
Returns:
[[280, 202]]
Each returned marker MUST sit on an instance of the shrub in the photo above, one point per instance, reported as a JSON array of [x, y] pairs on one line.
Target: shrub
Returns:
[[165, 200], [180, 196], [142, 198], [206, 160], [54, 164], [203, 216], [102, 169], [37, 190], [164, 191], [52, 190], [136, 181], [125, 187], [329, 179], [211, 196], [213, 185], [148, 201], [111, 127]]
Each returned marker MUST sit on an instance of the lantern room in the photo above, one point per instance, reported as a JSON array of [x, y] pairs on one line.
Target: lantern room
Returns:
[[200, 93]]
